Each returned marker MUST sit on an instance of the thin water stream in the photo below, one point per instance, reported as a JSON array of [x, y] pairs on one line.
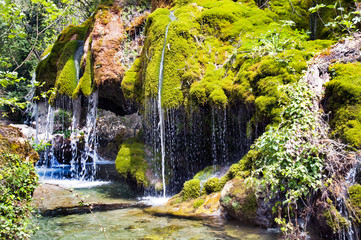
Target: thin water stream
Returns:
[[160, 109]]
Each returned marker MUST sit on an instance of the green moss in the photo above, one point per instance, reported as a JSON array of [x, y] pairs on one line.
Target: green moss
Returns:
[[67, 81], [130, 80], [49, 69], [198, 203], [354, 193], [85, 84], [343, 95], [191, 189], [206, 173], [131, 162], [212, 185], [335, 220]]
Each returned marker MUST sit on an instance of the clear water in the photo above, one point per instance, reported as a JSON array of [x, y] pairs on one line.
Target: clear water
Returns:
[[137, 224]]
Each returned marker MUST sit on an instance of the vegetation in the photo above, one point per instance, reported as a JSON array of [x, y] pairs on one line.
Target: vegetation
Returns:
[[18, 181], [131, 162]]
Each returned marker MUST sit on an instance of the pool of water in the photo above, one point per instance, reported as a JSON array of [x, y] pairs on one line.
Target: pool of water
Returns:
[[134, 223]]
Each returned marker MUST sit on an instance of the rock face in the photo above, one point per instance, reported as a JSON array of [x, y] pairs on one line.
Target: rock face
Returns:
[[112, 130], [239, 201], [95, 55]]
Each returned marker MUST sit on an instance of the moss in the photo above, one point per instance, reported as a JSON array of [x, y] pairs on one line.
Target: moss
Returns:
[[85, 84], [206, 173], [212, 185], [191, 189], [343, 100], [334, 220], [131, 162], [49, 69], [354, 193], [198, 203], [240, 201], [130, 80], [67, 81]]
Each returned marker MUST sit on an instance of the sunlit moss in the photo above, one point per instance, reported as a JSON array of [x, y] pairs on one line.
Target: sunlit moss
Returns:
[[343, 95], [131, 162]]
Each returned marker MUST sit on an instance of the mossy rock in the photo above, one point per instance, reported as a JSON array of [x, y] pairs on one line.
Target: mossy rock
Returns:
[[49, 69], [67, 80], [212, 185], [334, 219], [343, 101], [191, 189], [131, 163], [239, 200], [86, 85]]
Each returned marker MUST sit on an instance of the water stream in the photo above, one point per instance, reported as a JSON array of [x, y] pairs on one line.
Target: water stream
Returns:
[[135, 223], [160, 109]]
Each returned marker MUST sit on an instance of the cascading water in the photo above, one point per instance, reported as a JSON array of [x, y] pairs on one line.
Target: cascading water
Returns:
[[90, 140], [160, 109]]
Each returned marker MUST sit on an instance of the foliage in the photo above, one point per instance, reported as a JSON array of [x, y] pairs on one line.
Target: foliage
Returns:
[[18, 181], [289, 161], [345, 18]]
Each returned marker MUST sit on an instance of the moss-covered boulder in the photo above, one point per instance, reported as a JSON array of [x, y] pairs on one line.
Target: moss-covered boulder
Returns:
[[238, 200], [94, 55]]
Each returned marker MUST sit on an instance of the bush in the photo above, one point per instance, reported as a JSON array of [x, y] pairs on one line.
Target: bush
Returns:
[[18, 181]]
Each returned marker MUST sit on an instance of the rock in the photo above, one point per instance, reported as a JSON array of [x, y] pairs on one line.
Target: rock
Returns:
[[14, 141], [52, 199], [113, 130], [239, 201], [28, 132], [200, 208]]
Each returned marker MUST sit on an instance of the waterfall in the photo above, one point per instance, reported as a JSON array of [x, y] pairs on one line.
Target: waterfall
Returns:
[[160, 110], [74, 134], [90, 139], [77, 58]]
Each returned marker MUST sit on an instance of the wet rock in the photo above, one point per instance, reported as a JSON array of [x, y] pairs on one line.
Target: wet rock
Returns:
[[200, 208], [112, 130], [239, 201], [52, 199]]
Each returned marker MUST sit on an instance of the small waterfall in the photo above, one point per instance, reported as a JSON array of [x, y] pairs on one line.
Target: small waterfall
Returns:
[[77, 58], [90, 139], [74, 134], [160, 109]]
